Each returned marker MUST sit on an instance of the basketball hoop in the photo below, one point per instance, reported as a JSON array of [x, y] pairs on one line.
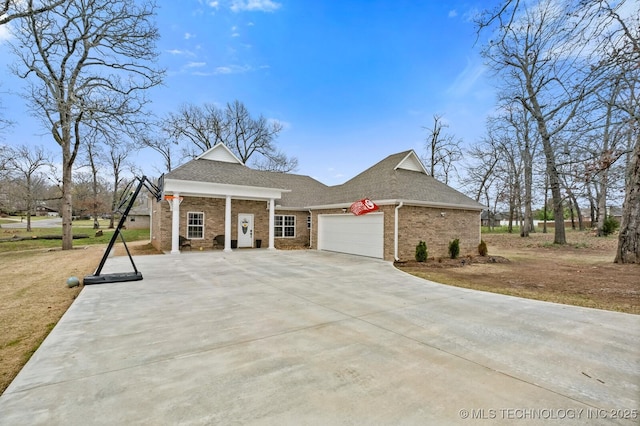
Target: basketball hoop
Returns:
[[170, 199]]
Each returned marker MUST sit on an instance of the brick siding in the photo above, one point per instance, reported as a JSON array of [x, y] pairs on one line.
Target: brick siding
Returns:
[[415, 224], [421, 224], [429, 225], [213, 209]]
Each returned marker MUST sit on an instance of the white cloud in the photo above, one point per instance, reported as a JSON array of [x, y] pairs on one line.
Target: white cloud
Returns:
[[214, 4], [453, 13], [254, 5], [196, 69], [232, 69], [187, 36], [179, 52], [465, 81]]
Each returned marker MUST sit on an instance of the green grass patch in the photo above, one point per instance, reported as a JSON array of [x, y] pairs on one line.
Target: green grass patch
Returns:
[[89, 223], [500, 230], [37, 243]]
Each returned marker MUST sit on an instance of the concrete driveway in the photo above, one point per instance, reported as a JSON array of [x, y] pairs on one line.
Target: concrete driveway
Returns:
[[305, 337]]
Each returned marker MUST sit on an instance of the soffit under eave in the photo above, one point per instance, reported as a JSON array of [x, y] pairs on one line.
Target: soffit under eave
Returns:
[[209, 189], [415, 203]]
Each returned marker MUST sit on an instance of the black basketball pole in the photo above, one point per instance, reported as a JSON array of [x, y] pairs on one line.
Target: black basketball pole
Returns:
[[129, 199]]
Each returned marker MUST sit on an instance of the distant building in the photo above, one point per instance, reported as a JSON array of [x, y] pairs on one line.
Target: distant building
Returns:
[[46, 211], [139, 218]]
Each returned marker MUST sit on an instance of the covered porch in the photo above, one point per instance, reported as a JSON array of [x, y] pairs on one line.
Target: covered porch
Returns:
[[248, 215]]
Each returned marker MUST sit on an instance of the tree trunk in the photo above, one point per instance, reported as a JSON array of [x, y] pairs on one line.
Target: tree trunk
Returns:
[[559, 236], [629, 236], [576, 206], [546, 203], [29, 203], [552, 171], [571, 214], [527, 222], [94, 186], [602, 202], [67, 204]]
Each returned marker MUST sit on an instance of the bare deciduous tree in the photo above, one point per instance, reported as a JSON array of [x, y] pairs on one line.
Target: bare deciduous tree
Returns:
[[164, 145], [16, 9], [482, 176], [443, 151], [624, 59], [24, 164], [118, 154], [86, 61], [249, 138], [543, 51]]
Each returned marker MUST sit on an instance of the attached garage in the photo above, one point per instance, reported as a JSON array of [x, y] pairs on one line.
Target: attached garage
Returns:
[[346, 233]]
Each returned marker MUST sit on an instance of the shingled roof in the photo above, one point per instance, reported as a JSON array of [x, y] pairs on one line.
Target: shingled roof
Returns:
[[301, 190], [388, 180], [399, 177]]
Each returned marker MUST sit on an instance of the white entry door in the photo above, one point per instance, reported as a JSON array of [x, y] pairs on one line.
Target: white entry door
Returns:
[[245, 230]]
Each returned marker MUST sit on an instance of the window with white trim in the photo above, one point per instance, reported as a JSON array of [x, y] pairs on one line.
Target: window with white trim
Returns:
[[195, 225], [285, 226]]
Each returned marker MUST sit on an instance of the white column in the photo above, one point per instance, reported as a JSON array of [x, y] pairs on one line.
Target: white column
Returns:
[[227, 224], [272, 221], [175, 225]]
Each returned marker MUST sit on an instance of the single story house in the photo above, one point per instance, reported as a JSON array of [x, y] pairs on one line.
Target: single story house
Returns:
[[42, 210], [216, 195], [138, 218]]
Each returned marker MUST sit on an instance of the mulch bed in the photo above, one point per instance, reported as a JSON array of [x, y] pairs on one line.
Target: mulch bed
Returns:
[[445, 262]]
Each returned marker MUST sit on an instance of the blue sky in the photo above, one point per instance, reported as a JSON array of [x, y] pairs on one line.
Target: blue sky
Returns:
[[352, 81]]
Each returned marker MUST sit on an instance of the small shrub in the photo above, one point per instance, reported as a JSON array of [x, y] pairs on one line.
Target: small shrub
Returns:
[[482, 248], [610, 226], [454, 248], [421, 252]]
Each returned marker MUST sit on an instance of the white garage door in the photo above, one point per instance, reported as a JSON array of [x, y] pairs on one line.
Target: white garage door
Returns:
[[362, 235]]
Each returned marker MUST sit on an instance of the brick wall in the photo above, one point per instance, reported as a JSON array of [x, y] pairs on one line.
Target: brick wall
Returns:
[[437, 230], [415, 224], [421, 223], [213, 209]]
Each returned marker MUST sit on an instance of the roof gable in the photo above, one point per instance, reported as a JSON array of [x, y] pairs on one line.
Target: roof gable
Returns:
[[412, 163], [219, 152]]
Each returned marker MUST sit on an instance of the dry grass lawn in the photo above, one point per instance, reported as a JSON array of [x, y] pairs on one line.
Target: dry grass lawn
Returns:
[[34, 295], [582, 273]]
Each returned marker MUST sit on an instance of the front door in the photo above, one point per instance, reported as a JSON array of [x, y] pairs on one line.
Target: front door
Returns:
[[245, 230]]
